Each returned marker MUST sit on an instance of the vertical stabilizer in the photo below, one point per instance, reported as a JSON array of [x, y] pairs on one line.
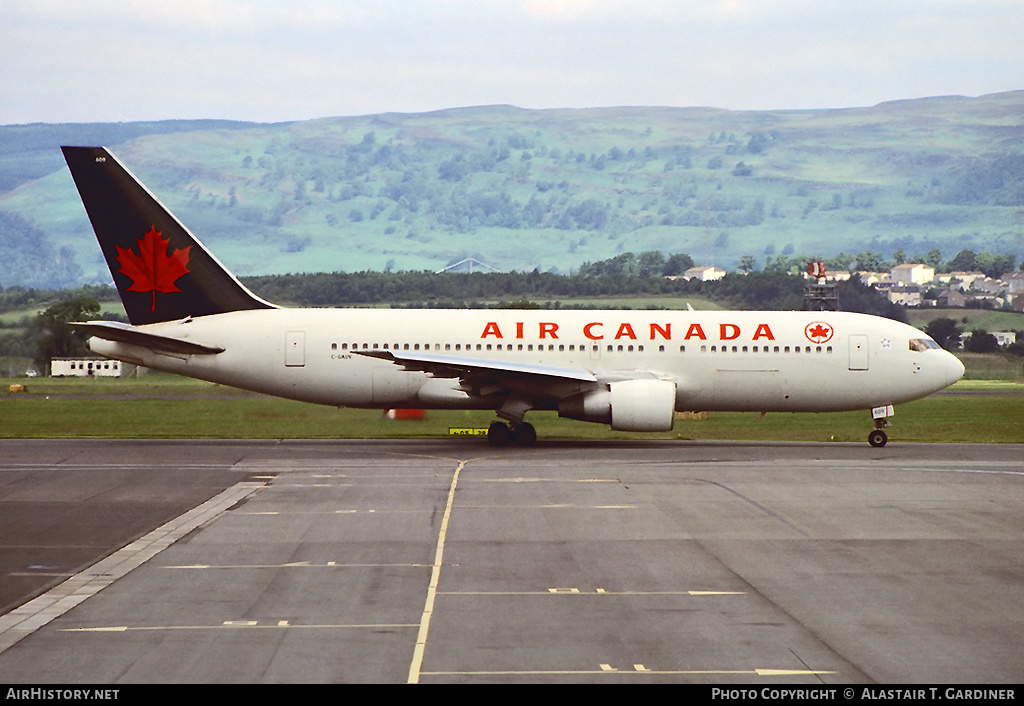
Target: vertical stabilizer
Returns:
[[161, 271]]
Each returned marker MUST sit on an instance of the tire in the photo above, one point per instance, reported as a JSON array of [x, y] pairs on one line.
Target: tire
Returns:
[[525, 435], [498, 434], [877, 438]]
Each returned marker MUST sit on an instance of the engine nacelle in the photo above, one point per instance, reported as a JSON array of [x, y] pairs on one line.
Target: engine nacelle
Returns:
[[628, 405]]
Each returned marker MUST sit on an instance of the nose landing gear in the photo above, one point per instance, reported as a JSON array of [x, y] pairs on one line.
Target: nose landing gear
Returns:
[[878, 437]]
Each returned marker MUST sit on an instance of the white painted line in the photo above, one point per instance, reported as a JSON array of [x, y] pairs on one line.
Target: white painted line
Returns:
[[26, 619]]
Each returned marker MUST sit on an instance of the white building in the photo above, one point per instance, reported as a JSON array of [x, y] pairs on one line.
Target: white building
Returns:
[[705, 274], [912, 274], [85, 367]]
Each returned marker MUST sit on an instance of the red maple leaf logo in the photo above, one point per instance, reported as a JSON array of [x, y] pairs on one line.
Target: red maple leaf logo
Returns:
[[818, 332], [153, 270]]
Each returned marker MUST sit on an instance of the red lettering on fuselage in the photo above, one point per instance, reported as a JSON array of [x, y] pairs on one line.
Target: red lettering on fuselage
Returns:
[[592, 330], [548, 330], [625, 331], [695, 330]]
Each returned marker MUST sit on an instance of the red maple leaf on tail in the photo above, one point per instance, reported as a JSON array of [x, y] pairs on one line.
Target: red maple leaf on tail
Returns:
[[153, 270]]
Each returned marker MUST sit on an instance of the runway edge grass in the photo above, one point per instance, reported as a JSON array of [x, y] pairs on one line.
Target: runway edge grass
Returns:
[[172, 408]]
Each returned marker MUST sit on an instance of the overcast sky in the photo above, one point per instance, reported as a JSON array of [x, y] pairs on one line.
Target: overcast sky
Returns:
[[108, 60]]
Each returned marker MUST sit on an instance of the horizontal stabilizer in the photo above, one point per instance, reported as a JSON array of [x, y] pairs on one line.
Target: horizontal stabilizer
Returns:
[[123, 333]]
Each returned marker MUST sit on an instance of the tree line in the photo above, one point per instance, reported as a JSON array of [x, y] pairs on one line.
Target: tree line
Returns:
[[648, 274]]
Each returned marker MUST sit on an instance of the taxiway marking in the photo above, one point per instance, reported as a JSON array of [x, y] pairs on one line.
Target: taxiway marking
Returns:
[[239, 625], [435, 575], [638, 669]]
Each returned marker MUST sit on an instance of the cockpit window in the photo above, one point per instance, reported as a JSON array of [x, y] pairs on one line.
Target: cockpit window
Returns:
[[922, 344]]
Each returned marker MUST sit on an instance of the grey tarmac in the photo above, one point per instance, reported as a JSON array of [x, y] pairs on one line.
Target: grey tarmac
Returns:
[[236, 561]]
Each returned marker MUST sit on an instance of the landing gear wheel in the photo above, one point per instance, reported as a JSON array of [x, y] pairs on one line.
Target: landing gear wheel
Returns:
[[498, 434], [525, 434], [877, 438]]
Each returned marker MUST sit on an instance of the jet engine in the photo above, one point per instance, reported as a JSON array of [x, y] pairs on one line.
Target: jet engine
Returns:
[[628, 405]]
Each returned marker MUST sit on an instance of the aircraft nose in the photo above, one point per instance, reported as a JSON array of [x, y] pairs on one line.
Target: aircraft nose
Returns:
[[954, 369]]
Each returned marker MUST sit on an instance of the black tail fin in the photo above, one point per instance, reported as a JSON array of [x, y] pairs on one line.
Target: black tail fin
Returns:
[[161, 271]]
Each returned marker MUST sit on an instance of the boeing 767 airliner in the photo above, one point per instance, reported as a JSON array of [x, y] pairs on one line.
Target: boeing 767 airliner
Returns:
[[633, 370]]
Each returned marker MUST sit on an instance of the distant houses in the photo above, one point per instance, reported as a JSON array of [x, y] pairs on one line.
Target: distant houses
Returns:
[[918, 285]]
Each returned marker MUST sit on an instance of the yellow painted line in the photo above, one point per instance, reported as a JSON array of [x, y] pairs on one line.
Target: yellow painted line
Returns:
[[786, 672], [435, 575]]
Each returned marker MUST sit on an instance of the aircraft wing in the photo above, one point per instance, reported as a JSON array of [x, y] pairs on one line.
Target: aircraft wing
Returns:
[[446, 366], [123, 333]]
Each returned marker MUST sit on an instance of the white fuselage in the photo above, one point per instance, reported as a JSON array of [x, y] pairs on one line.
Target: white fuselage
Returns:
[[718, 360]]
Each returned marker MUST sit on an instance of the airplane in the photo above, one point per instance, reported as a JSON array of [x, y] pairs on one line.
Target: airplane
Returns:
[[632, 370]]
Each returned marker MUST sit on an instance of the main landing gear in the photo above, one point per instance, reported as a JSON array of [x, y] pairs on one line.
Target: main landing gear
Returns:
[[878, 437], [522, 434]]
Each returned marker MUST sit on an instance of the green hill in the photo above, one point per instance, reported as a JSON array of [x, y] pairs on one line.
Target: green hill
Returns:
[[545, 189]]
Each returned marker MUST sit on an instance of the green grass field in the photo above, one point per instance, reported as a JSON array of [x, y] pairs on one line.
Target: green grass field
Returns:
[[161, 406]]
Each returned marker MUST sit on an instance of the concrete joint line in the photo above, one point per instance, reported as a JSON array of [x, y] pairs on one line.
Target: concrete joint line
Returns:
[[29, 617]]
